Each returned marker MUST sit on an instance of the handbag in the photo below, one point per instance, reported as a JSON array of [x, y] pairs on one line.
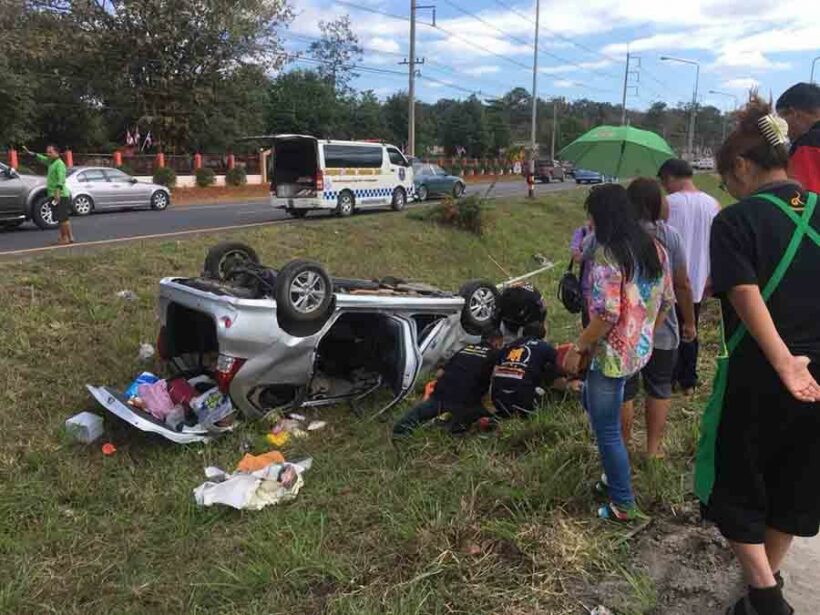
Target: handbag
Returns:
[[569, 291]]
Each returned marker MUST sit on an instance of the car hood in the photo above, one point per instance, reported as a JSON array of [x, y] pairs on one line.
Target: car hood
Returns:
[[33, 180]]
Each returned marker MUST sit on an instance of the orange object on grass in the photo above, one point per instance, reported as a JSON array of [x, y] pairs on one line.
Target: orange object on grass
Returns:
[[252, 463], [108, 449], [429, 388]]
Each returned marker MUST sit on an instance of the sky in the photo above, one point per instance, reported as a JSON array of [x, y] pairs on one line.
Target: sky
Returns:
[[486, 47]]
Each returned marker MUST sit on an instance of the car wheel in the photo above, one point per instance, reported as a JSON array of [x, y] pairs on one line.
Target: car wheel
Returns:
[[458, 190], [422, 193], [160, 200], [83, 205], [297, 213], [345, 204], [43, 214], [480, 306], [225, 256], [303, 294], [399, 200]]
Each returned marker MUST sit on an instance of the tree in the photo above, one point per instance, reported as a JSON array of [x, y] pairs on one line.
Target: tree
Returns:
[[338, 51], [288, 110]]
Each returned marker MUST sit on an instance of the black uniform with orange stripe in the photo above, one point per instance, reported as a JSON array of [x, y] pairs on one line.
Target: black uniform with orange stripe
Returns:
[[524, 365]]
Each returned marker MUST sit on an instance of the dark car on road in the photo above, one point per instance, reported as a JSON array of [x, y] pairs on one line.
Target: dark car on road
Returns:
[[431, 180], [585, 176], [22, 198]]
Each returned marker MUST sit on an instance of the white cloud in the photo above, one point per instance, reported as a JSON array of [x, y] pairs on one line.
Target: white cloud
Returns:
[[564, 83], [378, 43], [569, 68], [747, 59], [741, 83], [481, 70]]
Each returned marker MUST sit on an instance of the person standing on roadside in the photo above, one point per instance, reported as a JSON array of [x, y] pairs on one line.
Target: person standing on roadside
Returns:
[[800, 107], [691, 212], [630, 294], [651, 210], [57, 190], [758, 459]]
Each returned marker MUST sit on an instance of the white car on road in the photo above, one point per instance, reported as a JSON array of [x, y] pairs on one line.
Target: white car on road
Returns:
[[99, 188]]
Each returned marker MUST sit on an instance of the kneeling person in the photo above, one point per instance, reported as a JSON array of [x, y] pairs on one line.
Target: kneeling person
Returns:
[[524, 366], [461, 385]]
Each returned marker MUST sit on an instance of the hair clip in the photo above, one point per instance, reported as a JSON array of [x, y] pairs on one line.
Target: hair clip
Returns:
[[775, 129]]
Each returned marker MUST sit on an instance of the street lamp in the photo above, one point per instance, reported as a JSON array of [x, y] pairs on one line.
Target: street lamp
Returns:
[[813, 62], [694, 98], [726, 117]]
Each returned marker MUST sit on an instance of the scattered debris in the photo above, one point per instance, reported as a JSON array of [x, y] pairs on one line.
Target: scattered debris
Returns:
[[297, 417], [108, 449], [274, 483], [143, 378], [85, 427], [127, 295], [277, 439], [600, 610], [252, 463], [146, 352], [316, 425]]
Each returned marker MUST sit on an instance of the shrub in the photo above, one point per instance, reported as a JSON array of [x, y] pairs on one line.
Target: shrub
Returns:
[[165, 176], [205, 177], [236, 177], [126, 168], [24, 170], [466, 214]]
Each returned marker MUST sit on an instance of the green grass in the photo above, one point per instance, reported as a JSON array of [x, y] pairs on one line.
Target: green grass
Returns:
[[497, 525]]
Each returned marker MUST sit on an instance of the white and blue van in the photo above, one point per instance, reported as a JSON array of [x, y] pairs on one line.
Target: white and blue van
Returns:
[[307, 174]]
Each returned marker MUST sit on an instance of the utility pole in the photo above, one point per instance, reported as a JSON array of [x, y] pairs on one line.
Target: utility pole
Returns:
[[626, 83], [693, 114], [411, 90], [636, 74], [554, 128], [726, 113], [813, 62], [531, 179]]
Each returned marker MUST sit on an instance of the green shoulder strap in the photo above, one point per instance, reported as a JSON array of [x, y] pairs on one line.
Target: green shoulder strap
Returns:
[[802, 229]]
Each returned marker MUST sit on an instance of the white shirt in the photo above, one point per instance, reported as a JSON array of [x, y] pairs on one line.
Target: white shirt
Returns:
[[691, 214]]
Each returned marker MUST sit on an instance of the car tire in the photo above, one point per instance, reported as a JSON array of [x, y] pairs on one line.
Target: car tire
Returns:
[[297, 213], [458, 190], [399, 199], [345, 204], [160, 200], [82, 205], [422, 193], [225, 256], [42, 213], [480, 306], [304, 296]]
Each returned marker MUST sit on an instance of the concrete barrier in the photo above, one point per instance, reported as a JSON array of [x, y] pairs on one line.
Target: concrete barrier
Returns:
[[189, 181]]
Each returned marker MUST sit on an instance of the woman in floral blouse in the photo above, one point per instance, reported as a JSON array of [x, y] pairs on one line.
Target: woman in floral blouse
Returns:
[[630, 291]]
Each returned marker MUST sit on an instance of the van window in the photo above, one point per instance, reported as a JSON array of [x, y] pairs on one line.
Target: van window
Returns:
[[353, 156], [396, 157]]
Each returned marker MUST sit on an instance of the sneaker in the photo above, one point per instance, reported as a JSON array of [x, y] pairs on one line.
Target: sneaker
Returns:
[[611, 512]]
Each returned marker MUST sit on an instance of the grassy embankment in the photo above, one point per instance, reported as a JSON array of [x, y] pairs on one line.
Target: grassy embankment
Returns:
[[497, 525]]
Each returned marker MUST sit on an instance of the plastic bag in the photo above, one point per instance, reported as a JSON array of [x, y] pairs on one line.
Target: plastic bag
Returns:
[[143, 378], [156, 399], [211, 407]]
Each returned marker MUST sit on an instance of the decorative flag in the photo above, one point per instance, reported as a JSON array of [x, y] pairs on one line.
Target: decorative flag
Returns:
[[148, 141], [129, 140], [136, 136]]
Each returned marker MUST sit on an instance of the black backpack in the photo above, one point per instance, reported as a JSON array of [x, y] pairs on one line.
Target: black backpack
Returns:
[[569, 291]]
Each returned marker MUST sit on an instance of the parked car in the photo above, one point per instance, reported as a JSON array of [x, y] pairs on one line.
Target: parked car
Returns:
[[23, 197], [585, 176], [295, 337], [548, 170], [100, 188], [432, 180], [704, 164], [569, 168], [337, 176]]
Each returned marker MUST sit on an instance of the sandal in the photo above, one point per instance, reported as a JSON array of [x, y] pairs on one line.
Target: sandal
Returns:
[[612, 512]]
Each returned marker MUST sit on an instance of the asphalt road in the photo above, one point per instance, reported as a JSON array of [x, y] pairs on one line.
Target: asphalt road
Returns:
[[124, 225]]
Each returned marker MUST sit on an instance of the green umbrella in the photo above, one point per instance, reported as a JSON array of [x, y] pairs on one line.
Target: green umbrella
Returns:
[[618, 151]]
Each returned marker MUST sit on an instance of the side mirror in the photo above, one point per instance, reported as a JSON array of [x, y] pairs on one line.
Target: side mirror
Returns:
[[133, 180], [11, 173]]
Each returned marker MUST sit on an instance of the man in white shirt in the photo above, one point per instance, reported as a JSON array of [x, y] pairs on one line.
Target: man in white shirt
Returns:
[[691, 212]]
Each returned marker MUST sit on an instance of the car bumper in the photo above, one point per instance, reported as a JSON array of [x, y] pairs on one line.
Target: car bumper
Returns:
[[301, 203]]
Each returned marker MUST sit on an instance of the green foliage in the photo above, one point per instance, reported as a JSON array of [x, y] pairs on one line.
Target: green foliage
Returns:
[[205, 177], [165, 176], [466, 214], [236, 177], [338, 49]]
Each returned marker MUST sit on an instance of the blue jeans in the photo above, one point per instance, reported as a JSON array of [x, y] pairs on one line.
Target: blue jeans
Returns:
[[602, 399]]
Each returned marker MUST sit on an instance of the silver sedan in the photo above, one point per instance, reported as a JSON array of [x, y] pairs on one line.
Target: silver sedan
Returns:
[[99, 188]]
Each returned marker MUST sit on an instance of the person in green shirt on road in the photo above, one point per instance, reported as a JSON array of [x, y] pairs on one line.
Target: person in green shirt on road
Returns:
[[57, 190]]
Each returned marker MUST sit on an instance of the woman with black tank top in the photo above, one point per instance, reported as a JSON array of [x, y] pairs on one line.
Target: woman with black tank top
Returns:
[[758, 463]]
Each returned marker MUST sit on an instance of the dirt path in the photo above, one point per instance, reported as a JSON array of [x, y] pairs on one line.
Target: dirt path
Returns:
[[802, 574]]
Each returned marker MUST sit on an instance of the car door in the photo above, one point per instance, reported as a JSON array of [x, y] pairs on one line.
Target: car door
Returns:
[[12, 189], [126, 192], [440, 180], [94, 183], [399, 169], [406, 360]]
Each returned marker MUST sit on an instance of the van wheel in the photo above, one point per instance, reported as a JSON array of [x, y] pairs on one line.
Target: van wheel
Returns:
[[303, 294], [345, 204], [225, 256], [399, 200], [480, 306], [296, 213]]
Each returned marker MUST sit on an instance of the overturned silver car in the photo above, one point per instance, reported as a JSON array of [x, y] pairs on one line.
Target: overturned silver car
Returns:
[[295, 337]]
